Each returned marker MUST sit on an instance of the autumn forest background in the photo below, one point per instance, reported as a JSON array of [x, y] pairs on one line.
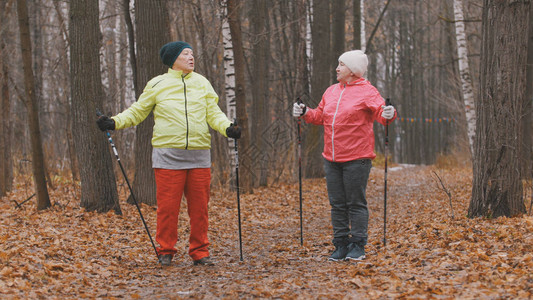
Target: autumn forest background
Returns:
[[459, 155]]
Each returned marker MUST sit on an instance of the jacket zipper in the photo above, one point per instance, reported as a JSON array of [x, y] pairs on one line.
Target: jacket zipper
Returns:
[[333, 125], [186, 115]]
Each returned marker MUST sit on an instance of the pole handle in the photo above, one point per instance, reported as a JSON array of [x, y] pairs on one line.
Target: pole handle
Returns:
[[387, 103]]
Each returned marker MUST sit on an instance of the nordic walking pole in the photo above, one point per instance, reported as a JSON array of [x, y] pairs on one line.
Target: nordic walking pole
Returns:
[[300, 176], [387, 102], [238, 191], [99, 114]]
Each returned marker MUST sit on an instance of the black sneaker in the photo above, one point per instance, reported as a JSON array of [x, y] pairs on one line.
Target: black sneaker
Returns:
[[165, 259], [206, 261], [339, 253], [356, 252]]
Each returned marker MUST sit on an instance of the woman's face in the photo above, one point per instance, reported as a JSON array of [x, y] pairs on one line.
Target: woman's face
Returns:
[[344, 74], [185, 61]]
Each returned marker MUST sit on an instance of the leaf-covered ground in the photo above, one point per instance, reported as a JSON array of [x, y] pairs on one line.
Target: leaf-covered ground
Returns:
[[66, 252]]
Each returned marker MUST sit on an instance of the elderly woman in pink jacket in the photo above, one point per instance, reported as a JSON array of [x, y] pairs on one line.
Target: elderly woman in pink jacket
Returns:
[[347, 111]]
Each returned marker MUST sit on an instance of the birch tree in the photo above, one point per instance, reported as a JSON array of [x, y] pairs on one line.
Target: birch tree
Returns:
[[240, 93], [229, 76], [464, 72]]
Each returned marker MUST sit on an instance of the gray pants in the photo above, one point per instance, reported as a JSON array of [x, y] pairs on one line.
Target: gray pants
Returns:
[[346, 184]]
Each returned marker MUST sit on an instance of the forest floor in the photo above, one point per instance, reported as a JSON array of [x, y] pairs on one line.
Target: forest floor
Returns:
[[66, 252]]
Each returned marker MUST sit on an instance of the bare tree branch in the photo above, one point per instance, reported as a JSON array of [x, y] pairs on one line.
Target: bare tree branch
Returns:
[[442, 187]]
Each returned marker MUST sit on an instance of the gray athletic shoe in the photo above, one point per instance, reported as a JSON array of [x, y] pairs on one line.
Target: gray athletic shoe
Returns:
[[340, 253], [356, 252]]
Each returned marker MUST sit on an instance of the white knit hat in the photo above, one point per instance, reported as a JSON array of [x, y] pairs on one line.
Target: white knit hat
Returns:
[[356, 61]]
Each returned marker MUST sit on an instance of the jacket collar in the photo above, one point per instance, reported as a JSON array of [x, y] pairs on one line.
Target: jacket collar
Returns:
[[178, 74], [353, 83], [357, 81]]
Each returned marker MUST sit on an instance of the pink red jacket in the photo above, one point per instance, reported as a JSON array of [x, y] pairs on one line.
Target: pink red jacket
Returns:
[[348, 113]]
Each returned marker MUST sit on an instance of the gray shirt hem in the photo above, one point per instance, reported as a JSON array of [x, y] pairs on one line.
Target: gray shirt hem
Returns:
[[180, 159]]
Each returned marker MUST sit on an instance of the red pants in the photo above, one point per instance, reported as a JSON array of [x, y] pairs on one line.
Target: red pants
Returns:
[[171, 184]]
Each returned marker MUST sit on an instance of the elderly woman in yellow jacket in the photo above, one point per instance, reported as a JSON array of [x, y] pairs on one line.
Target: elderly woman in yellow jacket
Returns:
[[184, 106]]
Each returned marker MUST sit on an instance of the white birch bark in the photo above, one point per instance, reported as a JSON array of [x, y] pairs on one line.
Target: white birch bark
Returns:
[[363, 35], [464, 72], [229, 75]]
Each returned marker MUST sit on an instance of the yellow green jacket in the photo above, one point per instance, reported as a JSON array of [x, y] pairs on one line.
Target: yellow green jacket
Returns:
[[184, 105]]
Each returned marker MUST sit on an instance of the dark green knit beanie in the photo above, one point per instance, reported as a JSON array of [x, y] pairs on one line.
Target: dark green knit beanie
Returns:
[[170, 52]]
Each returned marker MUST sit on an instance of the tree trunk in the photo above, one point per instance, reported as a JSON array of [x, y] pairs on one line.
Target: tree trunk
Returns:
[[246, 163], [338, 34], [110, 51], [63, 92], [98, 189], [313, 140], [497, 185], [150, 16], [357, 24], [260, 109], [6, 159], [464, 71], [527, 121], [32, 105], [368, 44], [43, 107], [131, 43]]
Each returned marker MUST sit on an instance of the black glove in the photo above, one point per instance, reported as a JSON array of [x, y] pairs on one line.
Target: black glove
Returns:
[[105, 123], [233, 131]]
